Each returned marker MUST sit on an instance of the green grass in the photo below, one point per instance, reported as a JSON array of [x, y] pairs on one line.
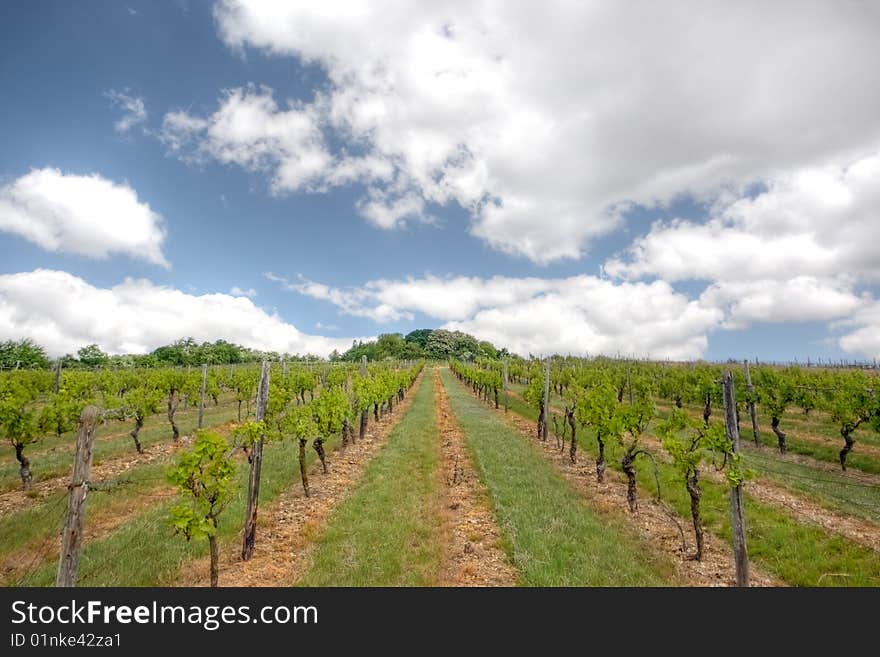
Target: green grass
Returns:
[[387, 532], [822, 452], [832, 490], [52, 456], [799, 554], [555, 539], [22, 527]]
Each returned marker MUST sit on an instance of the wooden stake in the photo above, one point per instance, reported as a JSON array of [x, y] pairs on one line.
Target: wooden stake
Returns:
[[71, 537], [57, 376], [250, 519], [546, 410], [506, 400], [204, 387], [753, 412], [738, 522]]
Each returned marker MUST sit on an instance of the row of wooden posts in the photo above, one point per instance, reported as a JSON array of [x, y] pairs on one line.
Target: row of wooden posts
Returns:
[[72, 534]]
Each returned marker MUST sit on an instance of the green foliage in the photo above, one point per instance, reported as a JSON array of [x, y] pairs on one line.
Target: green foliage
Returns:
[[330, 409], [24, 353], [18, 413], [204, 477], [92, 356], [689, 441], [419, 337], [775, 392]]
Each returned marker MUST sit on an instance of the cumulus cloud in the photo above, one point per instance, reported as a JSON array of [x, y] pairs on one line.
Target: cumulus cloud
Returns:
[[544, 122], [82, 214], [134, 112], [578, 315], [63, 312], [863, 336], [241, 292], [250, 130], [799, 299], [816, 221], [797, 251]]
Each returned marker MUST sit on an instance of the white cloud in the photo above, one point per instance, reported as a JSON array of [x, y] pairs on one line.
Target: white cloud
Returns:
[[64, 312], [864, 336], [544, 121], [83, 214], [242, 292], [352, 301], [134, 112], [579, 314], [320, 326], [799, 299], [250, 130], [797, 251], [817, 221]]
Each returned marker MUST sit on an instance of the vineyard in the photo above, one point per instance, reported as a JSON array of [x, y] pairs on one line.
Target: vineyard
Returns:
[[489, 472]]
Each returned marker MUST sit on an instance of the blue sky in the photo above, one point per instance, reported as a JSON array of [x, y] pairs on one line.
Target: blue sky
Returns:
[[507, 200]]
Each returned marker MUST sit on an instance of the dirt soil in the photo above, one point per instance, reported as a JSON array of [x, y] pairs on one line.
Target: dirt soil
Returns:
[[287, 528], [655, 522], [474, 553]]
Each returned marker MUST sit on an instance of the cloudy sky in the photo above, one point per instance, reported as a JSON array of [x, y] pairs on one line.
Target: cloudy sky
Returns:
[[680, 179]]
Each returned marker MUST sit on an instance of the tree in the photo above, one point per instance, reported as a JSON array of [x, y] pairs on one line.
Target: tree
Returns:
[[92, 356], [688, 442], [19, 421], [204, 477], [634, 419], [774, 394], [488, 350], [139, 402], [598, 408], [419, 337], [22, 354], [853, 402], [300, 423]]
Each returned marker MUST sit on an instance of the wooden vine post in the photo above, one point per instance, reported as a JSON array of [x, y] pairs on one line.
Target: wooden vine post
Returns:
[[71, 537], [204, 387], [250, 520], [506, 383], [740, 554], [57, 385], [546, 409], [752, 410]]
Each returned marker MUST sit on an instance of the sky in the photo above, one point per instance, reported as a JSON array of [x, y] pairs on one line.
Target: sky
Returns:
[[683, 180]]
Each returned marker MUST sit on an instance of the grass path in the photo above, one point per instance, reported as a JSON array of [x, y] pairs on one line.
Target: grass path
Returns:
[[555, 538], [388, 532], [287, 529], [476, 553]]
